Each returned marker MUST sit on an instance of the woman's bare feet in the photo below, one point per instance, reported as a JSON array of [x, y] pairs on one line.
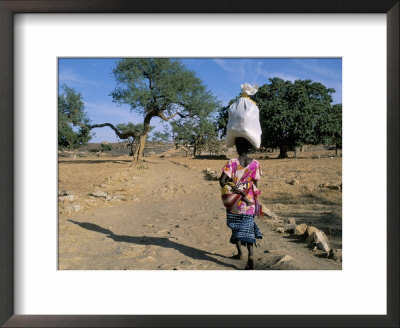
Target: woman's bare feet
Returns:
[[237, 256], [250, 264]]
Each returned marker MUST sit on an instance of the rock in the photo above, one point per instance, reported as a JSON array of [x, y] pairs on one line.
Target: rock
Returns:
[[186, 262], [291, 221], [335, 254], [300, 229], [293, 182], [323, 246], [211, 174], [310, 230], [281, 260], [316, 237], [77, 207], [68, 198], [333, 187], [99, 193], [65, 193], [268, 213], [280, 229]]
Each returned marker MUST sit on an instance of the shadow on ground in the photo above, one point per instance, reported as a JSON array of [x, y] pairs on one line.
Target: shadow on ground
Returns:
[[189, 251]]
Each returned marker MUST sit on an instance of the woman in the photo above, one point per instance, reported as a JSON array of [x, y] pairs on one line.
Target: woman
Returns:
[[242, 174]]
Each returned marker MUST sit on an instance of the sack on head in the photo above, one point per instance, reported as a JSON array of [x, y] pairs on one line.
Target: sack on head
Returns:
[[243, 119]]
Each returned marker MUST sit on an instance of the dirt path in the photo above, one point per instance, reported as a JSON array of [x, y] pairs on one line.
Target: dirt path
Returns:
[[177, 222]]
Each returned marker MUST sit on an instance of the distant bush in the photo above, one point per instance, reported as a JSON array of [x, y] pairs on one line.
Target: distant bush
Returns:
[[93, 150], [105, 147]]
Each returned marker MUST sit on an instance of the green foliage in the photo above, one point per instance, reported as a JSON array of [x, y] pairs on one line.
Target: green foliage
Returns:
[[128, 127], [105, 147], [160, 85], [330, 129], [222, 118], [290, 113], [72, 120], [160, 136], [201, 133], [131, 127]]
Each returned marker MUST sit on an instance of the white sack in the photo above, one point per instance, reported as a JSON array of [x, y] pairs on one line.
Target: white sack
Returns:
[[243, 121]]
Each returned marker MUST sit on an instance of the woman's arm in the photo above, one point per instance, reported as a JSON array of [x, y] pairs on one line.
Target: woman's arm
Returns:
[[223, 179]]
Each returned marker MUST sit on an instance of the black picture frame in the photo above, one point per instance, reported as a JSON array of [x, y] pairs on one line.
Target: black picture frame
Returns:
[[10, 7]]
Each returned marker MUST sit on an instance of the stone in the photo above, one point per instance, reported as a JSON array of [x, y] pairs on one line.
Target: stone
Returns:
[[310, 230], [211, 174], [335, 254], [332, 187], [99, 193], [280, 229], [68, 198], [316, 237], [268, 213], [293, 182], [283, 259], [291, 221], [186, 262], [323, 246], [300, 229], [76, 207], [64, 193]]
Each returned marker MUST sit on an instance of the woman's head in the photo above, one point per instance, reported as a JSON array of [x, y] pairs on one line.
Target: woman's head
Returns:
[[242, 145]]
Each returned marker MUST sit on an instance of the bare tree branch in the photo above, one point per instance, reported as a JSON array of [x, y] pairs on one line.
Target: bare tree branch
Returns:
[[117, 132], [162, 116]]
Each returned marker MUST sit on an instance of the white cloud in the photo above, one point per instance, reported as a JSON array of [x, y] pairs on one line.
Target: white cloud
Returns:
[[70, 77], [248, 70], [312, 66]]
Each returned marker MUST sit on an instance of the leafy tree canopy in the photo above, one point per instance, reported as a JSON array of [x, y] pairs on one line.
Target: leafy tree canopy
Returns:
[[72, 120], [160, 87], [290, 113]]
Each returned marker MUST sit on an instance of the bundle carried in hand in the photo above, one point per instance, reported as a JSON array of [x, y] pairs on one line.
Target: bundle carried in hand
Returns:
[[243, 118]]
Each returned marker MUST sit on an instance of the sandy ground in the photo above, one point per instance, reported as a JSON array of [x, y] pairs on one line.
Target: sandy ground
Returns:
[[166, 214]]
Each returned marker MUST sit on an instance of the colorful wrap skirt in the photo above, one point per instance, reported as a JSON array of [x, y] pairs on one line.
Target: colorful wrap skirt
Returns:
[[243, 227]]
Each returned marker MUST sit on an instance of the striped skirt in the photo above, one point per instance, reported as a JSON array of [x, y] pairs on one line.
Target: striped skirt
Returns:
[[243, 227]]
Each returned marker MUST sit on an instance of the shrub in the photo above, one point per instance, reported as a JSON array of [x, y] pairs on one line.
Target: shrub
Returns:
[[105, 147]]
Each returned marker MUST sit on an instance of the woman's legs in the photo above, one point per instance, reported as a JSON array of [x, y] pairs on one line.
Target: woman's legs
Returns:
[[250, 262], [239, 255]]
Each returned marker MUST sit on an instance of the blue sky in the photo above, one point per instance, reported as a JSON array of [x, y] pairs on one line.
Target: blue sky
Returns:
[[93, 78]]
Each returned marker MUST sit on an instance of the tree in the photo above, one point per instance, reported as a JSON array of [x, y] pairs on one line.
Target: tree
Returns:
[[330, 129], [199, 132], [130, 129], [291, 112], [158, 87], [73, 121], [160, 136], [222, 118]]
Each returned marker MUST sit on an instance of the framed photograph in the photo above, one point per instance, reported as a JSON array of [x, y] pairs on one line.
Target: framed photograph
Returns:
[[37, 38]]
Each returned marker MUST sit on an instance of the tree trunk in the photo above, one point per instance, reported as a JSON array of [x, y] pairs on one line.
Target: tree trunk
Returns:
[[138, 155], [296, 149], [283, 151]]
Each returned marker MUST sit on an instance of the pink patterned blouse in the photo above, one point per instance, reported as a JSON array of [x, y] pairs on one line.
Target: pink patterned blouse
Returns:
[[240, 175]]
